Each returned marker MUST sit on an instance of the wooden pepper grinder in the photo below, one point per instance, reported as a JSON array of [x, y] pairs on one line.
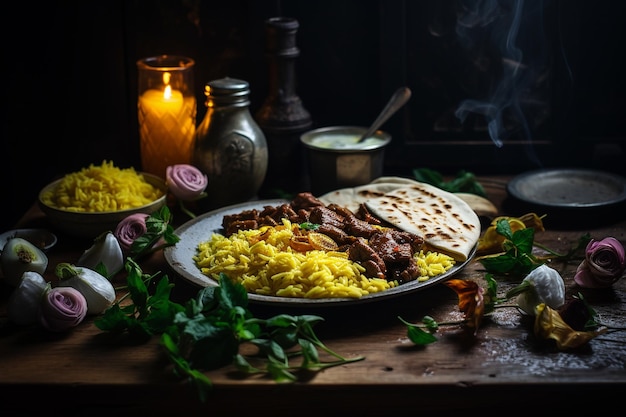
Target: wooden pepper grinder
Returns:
[[282, 117]]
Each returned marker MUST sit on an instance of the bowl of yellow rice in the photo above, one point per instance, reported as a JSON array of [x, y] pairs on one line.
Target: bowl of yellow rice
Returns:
[[95, 199]]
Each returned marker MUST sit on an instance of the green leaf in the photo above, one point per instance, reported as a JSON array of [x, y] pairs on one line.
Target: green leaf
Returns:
[[430, 323], [243, 365], [279, 372], [419, 336], [503, 227], [463, 182], [282, 320], [309, 226], [523, 240], [136, 287], [310, 354], [232, 294], [113, 320], [499, 264], [269, 347], [214, 352]]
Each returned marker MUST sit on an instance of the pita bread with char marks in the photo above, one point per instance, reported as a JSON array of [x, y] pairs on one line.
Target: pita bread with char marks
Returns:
[[446, 222]]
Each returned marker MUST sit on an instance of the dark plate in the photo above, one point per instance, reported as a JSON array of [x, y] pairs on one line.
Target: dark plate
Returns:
[[569, 188], [180, 259], [42, 238]]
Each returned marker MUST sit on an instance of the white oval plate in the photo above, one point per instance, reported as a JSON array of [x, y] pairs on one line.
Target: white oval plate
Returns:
[[198, 230]]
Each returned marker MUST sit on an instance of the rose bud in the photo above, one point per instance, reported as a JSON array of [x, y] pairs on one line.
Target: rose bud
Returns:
[[186, 182], [62, 308], [130, 228], [604, 264]]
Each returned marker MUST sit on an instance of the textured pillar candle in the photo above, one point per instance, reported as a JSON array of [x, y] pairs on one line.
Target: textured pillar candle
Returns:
[[167, 126], [166, 109]]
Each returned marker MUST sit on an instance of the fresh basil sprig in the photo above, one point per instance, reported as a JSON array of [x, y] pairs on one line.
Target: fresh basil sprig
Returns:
[[208, 331], [518, 257], [214, 325], [149, 314]]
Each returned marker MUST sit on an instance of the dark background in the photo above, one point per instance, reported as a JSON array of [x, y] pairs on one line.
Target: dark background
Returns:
[[70, 79]]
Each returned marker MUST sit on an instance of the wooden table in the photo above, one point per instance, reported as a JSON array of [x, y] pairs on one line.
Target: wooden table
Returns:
[[501, 370]]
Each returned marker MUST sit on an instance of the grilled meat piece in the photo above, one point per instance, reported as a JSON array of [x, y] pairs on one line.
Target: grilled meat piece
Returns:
[[360, 228], [238, 221], [374, 265], [284, 211], [337, 234], [324, 215], [415, 241], [383, 243], [404, 273], [236, 225], [305, 201], [396, 250], [342, 211], [364, 214]]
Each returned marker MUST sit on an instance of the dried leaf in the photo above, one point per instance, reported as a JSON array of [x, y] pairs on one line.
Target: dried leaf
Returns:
[[471, 301], [550, 325]]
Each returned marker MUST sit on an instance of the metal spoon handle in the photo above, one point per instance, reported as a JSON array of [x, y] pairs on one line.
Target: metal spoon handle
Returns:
[[397, 100]]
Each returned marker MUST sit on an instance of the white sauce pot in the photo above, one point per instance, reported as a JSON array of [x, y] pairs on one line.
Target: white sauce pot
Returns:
[[336, 160]]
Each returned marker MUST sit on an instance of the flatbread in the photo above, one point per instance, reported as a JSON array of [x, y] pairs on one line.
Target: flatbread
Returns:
[[352, 197], [445, 221]]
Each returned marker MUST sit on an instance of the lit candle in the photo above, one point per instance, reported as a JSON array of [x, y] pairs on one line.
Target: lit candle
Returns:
[[167, 127]]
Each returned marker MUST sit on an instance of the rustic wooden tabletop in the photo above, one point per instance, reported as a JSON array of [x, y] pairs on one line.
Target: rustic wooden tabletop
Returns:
[[500, 369]]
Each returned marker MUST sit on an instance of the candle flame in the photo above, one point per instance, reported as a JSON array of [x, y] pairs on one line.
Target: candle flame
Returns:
[[167, 93]]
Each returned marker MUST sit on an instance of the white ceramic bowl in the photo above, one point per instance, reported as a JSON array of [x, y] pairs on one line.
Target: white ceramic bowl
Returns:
[[92, 224]]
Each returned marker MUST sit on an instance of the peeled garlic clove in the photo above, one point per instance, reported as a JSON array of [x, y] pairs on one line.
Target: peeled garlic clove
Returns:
[[95, 287], [105, 251], [25, 300]]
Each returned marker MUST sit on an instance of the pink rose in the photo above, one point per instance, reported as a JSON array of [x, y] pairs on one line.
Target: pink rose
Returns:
[[129, 229], [186, 182], [62, 308], [604, 264]]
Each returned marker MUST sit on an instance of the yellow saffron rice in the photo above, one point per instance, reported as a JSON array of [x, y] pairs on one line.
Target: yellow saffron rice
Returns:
[[102, 188], [264, 263]]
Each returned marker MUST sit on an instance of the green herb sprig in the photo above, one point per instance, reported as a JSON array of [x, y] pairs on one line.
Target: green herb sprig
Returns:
[[518, 257], [211, 330], [208, 331], [464, 181], [158, 228], [149, 314]]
